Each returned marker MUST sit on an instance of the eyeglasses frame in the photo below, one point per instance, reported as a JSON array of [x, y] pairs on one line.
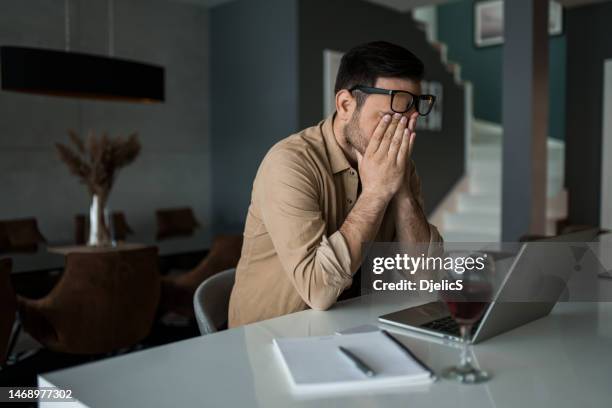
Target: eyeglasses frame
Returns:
[[392, 93]]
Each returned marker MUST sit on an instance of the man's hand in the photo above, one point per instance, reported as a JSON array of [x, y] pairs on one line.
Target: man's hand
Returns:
[[383, 164], [405, 189]]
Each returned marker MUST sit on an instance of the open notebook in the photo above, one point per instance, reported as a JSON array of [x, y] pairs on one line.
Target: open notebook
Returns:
[[315, 364]]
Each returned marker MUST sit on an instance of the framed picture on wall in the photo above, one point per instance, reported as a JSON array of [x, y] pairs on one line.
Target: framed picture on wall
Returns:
[[489, 22]]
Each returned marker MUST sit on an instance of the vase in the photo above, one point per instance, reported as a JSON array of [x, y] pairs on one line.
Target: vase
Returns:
[[99, 223]]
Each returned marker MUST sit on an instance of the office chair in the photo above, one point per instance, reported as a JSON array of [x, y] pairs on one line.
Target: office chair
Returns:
[[211, 301]]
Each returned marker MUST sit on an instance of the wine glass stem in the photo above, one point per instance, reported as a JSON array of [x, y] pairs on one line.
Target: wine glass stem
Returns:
[[466, 329]]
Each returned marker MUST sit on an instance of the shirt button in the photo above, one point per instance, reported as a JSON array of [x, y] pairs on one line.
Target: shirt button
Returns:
[[352, 172], [349, 201]]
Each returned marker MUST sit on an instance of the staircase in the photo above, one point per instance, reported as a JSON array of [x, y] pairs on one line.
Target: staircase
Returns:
[[471, 212], [475, 215]]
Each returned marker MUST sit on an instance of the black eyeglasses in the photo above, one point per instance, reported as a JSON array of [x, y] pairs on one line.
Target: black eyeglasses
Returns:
[[401, 101]]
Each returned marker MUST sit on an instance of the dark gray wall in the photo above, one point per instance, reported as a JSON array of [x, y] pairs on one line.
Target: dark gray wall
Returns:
[[483, 65], [254, 76], [589, 43], [173, 168], [342, 24]]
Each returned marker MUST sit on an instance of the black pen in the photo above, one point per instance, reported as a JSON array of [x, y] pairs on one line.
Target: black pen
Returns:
[[363, 367], [410, 353]]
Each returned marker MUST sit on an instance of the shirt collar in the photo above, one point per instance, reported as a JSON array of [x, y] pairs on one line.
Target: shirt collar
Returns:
[[337, 158]]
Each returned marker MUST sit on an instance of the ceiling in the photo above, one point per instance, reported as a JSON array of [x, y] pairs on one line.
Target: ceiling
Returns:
[[400, 5]]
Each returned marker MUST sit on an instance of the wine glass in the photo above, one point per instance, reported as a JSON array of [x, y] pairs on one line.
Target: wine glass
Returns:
[[466, 304]]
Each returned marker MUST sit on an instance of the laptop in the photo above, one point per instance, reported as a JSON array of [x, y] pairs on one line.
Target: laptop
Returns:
[[537, 272]]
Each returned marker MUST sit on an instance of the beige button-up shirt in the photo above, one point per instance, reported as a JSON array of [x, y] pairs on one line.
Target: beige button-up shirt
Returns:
[[293, 255]]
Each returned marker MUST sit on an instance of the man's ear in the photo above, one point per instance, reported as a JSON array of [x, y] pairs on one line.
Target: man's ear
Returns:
[[345, 105]]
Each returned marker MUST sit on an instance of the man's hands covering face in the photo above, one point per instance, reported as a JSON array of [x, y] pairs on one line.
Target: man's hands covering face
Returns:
[[406, 187], [384, 164]]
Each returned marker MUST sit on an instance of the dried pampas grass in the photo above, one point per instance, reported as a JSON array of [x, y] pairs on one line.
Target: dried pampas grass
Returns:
[[96, 161]]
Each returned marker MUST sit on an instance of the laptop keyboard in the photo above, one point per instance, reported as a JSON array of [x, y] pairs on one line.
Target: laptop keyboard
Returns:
[[447, 325]]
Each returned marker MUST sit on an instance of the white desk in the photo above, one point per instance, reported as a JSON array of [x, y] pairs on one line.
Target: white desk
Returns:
[[564, 360]]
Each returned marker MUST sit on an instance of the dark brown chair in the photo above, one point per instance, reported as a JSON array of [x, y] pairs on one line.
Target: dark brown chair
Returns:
[[121, 229], [178, 290], [8, 308], [104, 301], [173, 222], [20, 235]]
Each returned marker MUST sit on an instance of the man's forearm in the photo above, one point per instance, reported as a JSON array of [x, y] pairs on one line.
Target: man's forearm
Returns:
[[362, 224], [411, 225]]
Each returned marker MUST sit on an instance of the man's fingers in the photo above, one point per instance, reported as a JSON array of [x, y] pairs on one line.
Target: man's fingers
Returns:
[[398, 124], [412, 139], [403, 152], [379, 133], [399, 135], [383, 148], [413, 121], [406, 149]]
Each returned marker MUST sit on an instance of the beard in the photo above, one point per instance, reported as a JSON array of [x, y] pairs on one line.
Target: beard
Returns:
[[354, 134]]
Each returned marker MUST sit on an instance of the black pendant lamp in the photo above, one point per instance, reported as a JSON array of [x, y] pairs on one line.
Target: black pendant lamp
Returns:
[[63, 73], [60, 73]]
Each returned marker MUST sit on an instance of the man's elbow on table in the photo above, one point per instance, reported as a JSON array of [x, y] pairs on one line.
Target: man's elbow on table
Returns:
[[324, 298], [321, 304]]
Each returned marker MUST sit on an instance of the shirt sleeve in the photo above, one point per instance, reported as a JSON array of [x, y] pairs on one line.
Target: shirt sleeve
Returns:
[[318, 265]]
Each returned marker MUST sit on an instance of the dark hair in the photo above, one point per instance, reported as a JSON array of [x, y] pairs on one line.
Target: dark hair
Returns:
[[365, 63]]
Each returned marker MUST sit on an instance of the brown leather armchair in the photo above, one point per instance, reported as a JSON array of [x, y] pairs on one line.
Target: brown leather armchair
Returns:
[[20, 235], [178, 290], [173, 222], [105, 300]]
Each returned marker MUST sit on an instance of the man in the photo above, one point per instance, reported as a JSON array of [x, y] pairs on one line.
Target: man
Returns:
[[320, 194]]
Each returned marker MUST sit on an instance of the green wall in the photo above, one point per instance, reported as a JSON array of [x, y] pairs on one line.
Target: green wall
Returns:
[[483, 66]]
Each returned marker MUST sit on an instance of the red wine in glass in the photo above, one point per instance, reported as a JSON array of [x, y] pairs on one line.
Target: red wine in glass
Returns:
[[468, 305]]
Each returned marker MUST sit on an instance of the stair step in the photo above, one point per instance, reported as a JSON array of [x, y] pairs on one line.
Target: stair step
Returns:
[[486, 150], [488, 132], [490, 183], [462, 236], [478, 202], [489, 165], [472, 222], [457, 225], [490, 203]]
